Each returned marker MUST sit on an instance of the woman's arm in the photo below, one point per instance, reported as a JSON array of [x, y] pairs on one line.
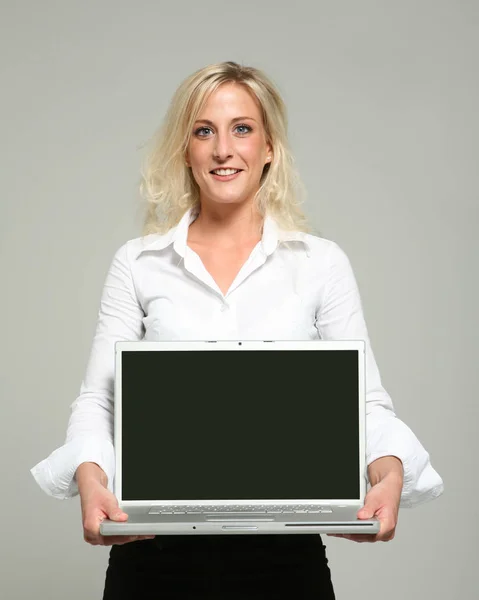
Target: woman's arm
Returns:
[[340, 316], [386, 466], [89, 436]]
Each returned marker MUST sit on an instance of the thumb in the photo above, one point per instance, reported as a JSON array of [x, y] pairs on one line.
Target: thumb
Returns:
[[114, 512], [366, 512]]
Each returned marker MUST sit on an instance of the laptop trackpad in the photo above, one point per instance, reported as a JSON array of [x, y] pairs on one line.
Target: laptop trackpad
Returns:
[[236, 519]]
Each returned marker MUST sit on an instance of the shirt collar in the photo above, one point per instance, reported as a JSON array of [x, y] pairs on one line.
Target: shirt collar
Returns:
[[272, 236]]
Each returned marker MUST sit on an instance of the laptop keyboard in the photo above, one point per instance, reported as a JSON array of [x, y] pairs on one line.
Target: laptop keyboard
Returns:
[[240, 509]]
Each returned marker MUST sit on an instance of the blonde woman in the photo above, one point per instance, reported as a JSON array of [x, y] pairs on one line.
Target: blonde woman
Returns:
[[224, 228]]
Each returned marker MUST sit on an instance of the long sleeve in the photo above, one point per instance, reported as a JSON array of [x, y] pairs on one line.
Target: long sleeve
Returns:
[[340, 316], [90, 428]]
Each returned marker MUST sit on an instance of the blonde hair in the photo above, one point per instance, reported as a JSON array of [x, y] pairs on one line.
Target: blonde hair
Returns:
[[167, 184]]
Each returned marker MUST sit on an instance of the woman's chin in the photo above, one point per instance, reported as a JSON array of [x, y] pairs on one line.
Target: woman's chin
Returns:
[[225, 201]]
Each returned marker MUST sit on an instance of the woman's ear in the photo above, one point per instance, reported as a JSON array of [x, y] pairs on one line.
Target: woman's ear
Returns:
[[269, 153]]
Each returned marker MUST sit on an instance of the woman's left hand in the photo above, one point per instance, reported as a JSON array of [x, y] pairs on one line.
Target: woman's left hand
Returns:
[[382, 501]]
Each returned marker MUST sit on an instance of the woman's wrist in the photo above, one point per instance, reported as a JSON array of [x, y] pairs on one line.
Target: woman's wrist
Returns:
[[386, 466], [88, 472]]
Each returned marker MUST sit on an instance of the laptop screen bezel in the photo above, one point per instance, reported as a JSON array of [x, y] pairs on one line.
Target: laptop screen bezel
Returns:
[[245, 345]]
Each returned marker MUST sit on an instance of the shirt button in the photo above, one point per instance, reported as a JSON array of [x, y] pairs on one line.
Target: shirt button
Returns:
[[224, 307]]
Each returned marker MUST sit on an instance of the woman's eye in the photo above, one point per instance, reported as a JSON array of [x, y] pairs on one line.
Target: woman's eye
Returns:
[[203, 131], [197, 132], [247, 127]]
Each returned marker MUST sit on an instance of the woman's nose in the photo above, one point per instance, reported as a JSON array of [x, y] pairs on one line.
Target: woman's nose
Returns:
[[223, 147]]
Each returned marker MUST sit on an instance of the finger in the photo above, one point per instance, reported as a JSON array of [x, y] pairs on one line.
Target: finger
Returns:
[[356, 537], [388, 535], [112, 510], [96, 539], [91, 533], [115, 514], [366, 538], [120, 540], [386, 530], [91, 539], [91, 525], [368, 511]]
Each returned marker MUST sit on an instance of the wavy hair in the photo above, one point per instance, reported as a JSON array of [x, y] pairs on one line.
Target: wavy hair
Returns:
[[167, 184]]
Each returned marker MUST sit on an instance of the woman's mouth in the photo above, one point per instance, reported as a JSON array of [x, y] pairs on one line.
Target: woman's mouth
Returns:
[[225, 174]]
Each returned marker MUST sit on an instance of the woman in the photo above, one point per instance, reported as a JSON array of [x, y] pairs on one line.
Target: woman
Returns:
[[226, 255]]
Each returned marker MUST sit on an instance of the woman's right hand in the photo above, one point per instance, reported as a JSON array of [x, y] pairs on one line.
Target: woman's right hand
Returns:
[[98, 504]]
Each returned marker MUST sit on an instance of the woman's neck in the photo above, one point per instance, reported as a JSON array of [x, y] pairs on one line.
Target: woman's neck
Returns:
[[226, 226]]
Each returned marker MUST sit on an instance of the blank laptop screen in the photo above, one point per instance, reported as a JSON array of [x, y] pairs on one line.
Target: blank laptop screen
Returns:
[[240, 425]]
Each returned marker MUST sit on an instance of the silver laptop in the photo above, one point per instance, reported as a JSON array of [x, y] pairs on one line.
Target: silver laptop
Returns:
[[240, 437]]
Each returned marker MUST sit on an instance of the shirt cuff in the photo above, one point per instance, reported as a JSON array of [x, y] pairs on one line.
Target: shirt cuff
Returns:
[[389, 436], [417, 487], [56, 474]]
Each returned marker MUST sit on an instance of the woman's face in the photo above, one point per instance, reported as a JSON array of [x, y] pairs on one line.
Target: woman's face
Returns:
[[228, 134]]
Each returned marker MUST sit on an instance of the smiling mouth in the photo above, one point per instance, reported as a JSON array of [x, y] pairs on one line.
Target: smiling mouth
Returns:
[[214, 172], [228, 177]]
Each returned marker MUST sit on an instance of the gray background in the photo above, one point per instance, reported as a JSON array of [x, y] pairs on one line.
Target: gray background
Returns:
[[383, 101]]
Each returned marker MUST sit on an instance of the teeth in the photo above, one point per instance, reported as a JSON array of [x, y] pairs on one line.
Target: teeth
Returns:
[[226, 171]]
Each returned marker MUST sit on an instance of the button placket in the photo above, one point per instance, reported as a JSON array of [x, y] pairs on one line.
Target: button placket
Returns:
[[227, 324]]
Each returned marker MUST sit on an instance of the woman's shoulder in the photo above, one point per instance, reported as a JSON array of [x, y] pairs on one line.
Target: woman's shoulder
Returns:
[[134, 247], [320, 247], [326, 256]]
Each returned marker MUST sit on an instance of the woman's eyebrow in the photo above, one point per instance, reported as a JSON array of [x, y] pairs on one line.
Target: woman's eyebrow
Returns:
[[208, 122]]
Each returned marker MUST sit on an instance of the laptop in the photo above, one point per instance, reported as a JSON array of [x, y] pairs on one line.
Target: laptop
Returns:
[[244, 437]]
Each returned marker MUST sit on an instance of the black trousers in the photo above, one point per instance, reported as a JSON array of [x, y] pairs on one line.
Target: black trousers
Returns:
[[230, 567]]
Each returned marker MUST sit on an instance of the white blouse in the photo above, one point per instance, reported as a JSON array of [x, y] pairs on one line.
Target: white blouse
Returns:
[[294, 286]]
